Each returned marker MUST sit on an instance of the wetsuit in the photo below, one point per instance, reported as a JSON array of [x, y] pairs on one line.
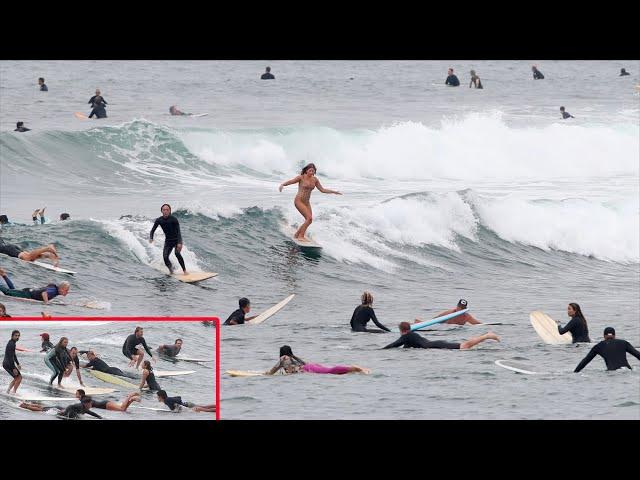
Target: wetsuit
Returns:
[[613, 351], [22, 129], [59, 360], [238, 316], [99, 404], [33, 294], [129, 347], [171, 228], [537, 74], [479, 84], [10, 362], [101, 366], [361, 316], [267, 76], [44, 88], [10, 249], [413, 340], [46, 346], [152, 383], [98, 107], [172, 402], [74, 411], [452, 81], [624, 73], [566, 115], [578, 328], [170, 350]]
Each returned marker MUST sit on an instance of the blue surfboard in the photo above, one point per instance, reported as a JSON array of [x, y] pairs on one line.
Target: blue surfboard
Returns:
[[444, 318]]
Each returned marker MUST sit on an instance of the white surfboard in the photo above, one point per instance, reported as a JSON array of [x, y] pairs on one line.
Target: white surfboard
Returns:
[[310, 243], [154, 409], [191, 359], [198, 114], [547, 329], [194, 276], [87, 390], [517, 367], [35, 397], [271, 311], [49, 266], [172, 373], [93, 304], [245, 373]]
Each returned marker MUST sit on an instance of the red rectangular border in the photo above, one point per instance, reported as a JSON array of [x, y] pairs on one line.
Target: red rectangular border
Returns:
[[216, 320]]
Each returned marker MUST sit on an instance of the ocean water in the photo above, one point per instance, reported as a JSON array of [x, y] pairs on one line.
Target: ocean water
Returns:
[[449, 193]]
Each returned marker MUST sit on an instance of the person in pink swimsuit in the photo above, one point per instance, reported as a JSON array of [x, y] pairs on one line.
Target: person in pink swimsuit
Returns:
[[291, 364], [306, 181]]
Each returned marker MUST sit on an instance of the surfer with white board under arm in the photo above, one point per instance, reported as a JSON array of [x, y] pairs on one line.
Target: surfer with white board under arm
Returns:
[[173, 238], [238, 316], [306, 181], [460, 319]]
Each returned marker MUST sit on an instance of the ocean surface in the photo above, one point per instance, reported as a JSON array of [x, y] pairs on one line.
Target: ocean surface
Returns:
[[449, 193]]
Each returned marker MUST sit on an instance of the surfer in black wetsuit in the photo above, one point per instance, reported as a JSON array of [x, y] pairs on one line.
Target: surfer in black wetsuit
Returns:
[[409, 339], [171, 350], [43, 87], [452, 80], [238, 316], [130, 347], [363, 313], [98, 104], [148, 377], [537, 74], [173, 238], [21, 128], [73, 361], [565, 114], [46, 344], [577, 325], [43, 294], [613, 351], [267, 75], [11, 363], [174, 403], [85, 405], [101, 366], [623, 72], [475, 80]]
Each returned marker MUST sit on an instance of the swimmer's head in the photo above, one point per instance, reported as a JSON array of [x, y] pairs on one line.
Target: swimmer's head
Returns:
[[450, 71], [41, 80], [609, 332], [4, 219], [166, 210], [472, 72], [244, 304], [86, 400], [367, 298], [285, 350], [80, 393], [462, 303], [178, 342], [162, 395], [268, 69], [147, 365], [405, 327], [65, 216], [562, 109], [3, 310], [308, 167], [97, 91], [91, 355], [19, 124], [63, 287]]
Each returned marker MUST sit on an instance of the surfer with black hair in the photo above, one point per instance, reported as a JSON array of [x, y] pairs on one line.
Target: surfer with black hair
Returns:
[[623, 72], [30, 255], [85, 405], [452, 80], [173, 110], [65, 216], [565, 114], [612, 350], [537, 74], [363, 313], [291, 364], [173, 238], [43, 294], [133, 347], [577, 325], [43, 86], [46, 343], [10, 362], [306, 181], [100, 365], [409, 339], [238, 316], [174, 403], [171, 350], [3, 311], [148, 377], [460, 319], [267, 75], [21, 128]]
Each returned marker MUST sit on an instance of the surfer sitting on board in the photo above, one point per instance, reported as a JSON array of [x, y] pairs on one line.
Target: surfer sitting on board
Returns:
[[173, 238], [577, 325], [98, 104], [148, 377], [174, 403], [11, 363], [306, 181], [133, 347], [612, 350], [171, 350], [291, 364], [43, 294], [409, 339], [460, 319], [30, 255], [238, 316], [363, 313], [100, 365]]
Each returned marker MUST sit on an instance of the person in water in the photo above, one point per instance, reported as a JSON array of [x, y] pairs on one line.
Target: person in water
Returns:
[[173, 238], [21, 128], [565, 114], [452, 79], [133, 347], [4, 220], [267, 75], [65, 216], [103, 404], [148, 378], [30, 255], [460, 319], [3, 311], [238, 316], [85, 405], [623, 72], [43, 87], [171, 350], [363, 313], [306, 181], [98, 105], [100, 365], [612, 350], [46, 343], [10, 362], [38, 212], [577, 325], [73, 361], [43, 294], [537, 74], [291, 364], [409, 339], [57, 359], [173, 110], [174, 403], [475, 80]]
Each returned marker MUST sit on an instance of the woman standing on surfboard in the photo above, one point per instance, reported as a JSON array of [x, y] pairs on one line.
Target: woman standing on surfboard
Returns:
[[306, 181]]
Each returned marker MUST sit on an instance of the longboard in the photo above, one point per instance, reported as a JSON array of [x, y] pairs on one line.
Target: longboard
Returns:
[[306, 244], [87, 390], [190, 359], [198, 114], [38, 398], [271, 311], [516, 367], [444, 318], [106, 377], [547, 329], [244, 373], [172, 373], [166, 410], [80, 115], [48, 266], [194, 277]]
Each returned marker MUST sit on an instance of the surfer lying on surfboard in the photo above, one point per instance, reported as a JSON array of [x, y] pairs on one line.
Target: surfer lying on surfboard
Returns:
[[173, 238], [409, 339], [171, 350], [30, 255], [174, 403], [291, 364], [460, 319], [43, 294], [306, 181], [100, 365], [104, 404], [238, 316]]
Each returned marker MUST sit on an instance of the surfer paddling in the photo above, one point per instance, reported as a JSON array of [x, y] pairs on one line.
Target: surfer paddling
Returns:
[[174, 403], [103, 404], [363, 313], [306, 181], [171, 350], [291, 364], [11, 363], [100, 365], [409, 339], [612, 350], [43, 294], [173, 238], [133, 347], [460, 319], [238, 316], [30, 255]]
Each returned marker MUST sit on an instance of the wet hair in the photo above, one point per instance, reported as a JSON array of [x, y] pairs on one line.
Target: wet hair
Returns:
[[41, 79], [561, 108], [623, 70], [178, 340], [244, 302], [73, 348], [86, 399], [4, 219], [162, 394], [3, 309], [451, 69], [64, 216], [14, 332], [367, 298], [165, 205], [268, 69], [137, 329], [285, 350], [64, 284], [404, 326], [578, 314], [59, 344], [472, 72], [147, 364], [171, 108], [307, 167], [82, 392], [19, 124]]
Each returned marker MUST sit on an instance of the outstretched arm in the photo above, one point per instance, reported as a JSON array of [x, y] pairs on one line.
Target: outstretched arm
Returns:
[[633, 351], [277, 367], [325, 190], [585, 361], [446, 312], [472, 320], [296, 179], [375, 320], [399, 342]]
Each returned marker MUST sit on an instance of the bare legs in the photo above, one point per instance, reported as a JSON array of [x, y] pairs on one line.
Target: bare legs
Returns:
[[139, 356], [476, 340], [132, 397], [48, 252], [357, 369], [15, 383], [305, 211], [204, 408]]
